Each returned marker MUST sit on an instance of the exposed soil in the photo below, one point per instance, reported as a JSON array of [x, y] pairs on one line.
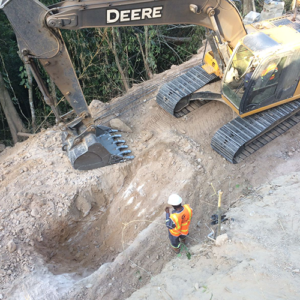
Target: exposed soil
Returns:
[[100, 234]]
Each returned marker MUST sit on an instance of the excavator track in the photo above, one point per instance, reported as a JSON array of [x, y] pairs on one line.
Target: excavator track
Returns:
[[239, 138], [193, 105], [171, 93]]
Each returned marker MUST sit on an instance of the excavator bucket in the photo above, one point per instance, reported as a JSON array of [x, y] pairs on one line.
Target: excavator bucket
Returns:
[[95, 150]]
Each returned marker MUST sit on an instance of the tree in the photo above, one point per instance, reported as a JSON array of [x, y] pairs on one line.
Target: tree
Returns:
[[145, 54], [114, 43], [248, 6], [14, 121]]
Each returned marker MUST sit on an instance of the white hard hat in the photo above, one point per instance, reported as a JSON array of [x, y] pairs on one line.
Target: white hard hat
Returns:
[[174, 199]]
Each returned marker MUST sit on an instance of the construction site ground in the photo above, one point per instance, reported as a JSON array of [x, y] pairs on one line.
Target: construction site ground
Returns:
[[100, 234]]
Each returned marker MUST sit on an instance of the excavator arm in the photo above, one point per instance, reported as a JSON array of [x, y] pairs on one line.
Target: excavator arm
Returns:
[[37, 29]]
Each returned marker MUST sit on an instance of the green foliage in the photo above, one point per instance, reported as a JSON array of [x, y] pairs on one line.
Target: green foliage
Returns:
[[288, 5], [24, 77], [187, 251]]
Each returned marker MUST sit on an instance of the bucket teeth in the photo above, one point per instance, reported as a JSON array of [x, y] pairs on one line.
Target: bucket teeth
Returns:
[[119, 141], [122, 147], [126, 158], [116, 136], [125, 152], [129, 157], [113, 130]]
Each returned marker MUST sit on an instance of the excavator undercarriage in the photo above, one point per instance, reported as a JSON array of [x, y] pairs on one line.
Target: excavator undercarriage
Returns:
[[241, 137]]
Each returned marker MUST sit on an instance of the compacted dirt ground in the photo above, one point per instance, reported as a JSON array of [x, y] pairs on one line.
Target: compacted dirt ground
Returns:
[[100, 234]]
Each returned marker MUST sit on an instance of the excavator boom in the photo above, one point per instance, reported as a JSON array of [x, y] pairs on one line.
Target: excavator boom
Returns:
[[37, 29]]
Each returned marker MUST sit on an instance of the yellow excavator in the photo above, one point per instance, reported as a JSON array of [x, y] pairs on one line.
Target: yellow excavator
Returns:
[[257, 66]]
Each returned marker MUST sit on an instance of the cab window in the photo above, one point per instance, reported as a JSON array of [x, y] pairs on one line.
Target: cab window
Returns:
[[265, 85], [234, 79]]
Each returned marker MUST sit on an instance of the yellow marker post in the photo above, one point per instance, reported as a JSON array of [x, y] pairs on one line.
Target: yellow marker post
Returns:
[[219, 212]]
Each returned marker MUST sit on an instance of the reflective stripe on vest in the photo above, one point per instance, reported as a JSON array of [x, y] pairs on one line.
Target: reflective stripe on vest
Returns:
[[177, 217]]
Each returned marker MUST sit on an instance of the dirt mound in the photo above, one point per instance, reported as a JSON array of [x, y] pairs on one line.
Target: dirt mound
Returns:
[[100, 234]]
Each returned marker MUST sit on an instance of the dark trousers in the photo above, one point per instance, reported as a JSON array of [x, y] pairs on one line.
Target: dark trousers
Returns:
[[175, 242]]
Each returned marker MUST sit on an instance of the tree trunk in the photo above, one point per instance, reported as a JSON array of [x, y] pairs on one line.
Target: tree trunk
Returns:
[[177, 40], [113, 47], [247, 6], [148, 70], [53, 91], [124, 76], [147, 49], [30, 96], [14, 121]]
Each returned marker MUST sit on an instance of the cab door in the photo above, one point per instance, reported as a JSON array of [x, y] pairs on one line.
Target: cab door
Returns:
[[290, 77], [262, 89]]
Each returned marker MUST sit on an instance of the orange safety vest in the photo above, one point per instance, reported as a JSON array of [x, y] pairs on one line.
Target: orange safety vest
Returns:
[[182, 221], [271, 68]]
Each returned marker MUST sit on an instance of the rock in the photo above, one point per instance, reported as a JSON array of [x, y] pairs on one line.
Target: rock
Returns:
[[83, 203], [296, 271], [120, 125], [146, 136], [196, 286], [290, 153], [11, 246], [199, 224], [221, 239], [2, 147], [96, 104], [88, 285], [1, 296], [187, 149], [35, 212]]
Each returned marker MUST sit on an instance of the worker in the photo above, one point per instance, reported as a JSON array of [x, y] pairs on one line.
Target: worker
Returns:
[[178, 221], [248, 77]]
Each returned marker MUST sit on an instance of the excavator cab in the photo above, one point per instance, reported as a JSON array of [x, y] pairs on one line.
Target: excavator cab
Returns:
[[261, 73], [235, 79]]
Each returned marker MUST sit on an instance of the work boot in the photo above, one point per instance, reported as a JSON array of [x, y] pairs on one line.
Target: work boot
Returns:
[[176, 250]]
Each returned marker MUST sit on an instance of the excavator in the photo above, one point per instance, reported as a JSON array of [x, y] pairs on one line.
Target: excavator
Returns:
[[257, 67]]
